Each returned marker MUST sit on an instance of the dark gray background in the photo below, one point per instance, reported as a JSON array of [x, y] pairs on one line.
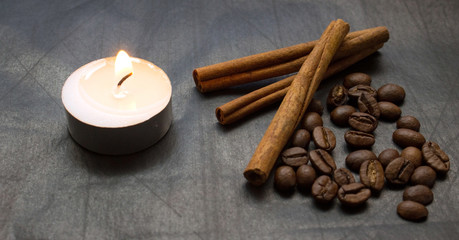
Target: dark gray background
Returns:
[[190, 184]]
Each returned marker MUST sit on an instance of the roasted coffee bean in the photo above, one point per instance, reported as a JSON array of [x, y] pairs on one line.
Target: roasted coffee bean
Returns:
[[337, 97], [305, 176], [301, 138], [315, 106], [353, 194], [284, 178], [295, 156], [343, 176], [423, 175], [340, 115], [399, 171], [406, 137], [322, 161], [355, 79], [386, 156], [372, 175], [359, 139], [412, 211], [368, 104], [355, 92], [409, 122], [363, 122], [412, 154], [391, 93], [389, 111], [324, 189], [419, 193], [324, 138], [311, 120], [435, 157], [355, 159]]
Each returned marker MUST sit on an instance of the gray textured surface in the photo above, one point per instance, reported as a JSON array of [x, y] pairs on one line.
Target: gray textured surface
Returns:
[[190, 184]]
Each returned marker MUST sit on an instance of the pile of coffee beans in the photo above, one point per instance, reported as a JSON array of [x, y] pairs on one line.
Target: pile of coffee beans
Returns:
[[321, 177], [356, 104]]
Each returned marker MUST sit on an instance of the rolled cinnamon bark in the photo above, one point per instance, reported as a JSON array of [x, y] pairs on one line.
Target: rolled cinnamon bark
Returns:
[[257, 67], [261, 60], [243, 106], [295, 103]]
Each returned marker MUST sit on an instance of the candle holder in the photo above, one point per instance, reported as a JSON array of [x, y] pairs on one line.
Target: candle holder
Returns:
[[119, 141]]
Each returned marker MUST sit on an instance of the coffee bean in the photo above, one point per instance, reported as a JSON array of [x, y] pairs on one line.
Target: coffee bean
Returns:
[[324, 138], [337, 97], [406, 137], [355, 79], [412, 154], [322, 161], [386, 156], [359, 139], [311, 120], [419, 193], [409, 122], [368, 104], [435, 157], [305, 176], [315, 106], [324, 189], [372, 175], [389, 111], [391, 93], [284, 178], [399, 171], [301, 138], [340, 115], [353, 194], [355, 92], [363, 122], [295, 157], [412, 211], [355, 159], [423, 175], [343, 176]]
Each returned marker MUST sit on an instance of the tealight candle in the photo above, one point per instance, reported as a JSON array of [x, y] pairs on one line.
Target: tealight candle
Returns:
[[118, 105]]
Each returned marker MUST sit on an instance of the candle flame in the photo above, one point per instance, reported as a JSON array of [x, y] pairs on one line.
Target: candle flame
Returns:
[[123, 65]]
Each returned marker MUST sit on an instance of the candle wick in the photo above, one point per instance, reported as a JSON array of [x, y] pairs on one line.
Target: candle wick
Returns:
[[124, 79]]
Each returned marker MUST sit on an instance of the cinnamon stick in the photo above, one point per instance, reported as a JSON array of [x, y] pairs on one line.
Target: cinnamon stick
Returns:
[[295, 103], [243, 106], [278, 62], [261, 60]]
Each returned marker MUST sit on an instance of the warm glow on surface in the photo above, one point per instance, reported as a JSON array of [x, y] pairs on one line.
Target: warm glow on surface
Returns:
[[123, 65]]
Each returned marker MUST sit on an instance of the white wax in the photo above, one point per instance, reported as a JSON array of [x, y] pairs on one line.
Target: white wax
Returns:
[[91, 94]]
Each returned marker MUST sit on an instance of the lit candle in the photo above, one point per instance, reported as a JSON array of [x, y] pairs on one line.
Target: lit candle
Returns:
[[118, 105]]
